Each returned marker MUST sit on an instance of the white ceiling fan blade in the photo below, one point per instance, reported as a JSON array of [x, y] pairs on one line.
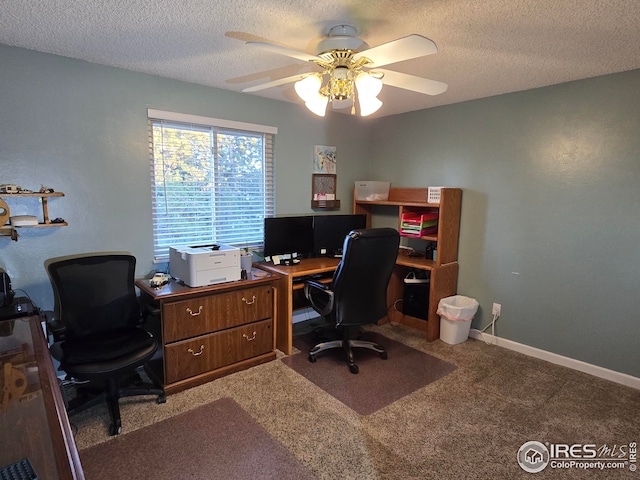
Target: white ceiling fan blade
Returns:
[[398, 50], [274, 83], [411, 82], [289, 52]]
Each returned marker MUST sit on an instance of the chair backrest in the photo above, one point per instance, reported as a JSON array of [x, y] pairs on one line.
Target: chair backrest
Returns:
[[361, 279], [94, 293]]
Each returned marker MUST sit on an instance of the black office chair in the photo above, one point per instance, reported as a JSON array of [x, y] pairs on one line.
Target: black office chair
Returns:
[[357, 294], [97, 327]]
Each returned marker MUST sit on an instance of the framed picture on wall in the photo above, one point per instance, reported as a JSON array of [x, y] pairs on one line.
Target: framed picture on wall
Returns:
[[324, 159]]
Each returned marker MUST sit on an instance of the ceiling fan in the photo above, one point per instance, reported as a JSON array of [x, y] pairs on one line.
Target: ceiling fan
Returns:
[[350, 70]]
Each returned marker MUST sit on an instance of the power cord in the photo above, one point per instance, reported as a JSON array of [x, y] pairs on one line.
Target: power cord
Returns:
[[394, 305], [494, 318], [16, 290], [72, 381]]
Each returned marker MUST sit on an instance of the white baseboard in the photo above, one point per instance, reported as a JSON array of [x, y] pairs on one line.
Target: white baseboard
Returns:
[[617, 377]]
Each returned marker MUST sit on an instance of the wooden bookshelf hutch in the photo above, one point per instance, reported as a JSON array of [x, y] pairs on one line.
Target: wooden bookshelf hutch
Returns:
[[443, 270]]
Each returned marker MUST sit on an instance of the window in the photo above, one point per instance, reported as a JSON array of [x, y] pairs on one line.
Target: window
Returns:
[[211, 181]]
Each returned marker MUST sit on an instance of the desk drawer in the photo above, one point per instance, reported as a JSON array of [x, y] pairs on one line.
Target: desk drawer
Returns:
[[202, 315], [199, 355]]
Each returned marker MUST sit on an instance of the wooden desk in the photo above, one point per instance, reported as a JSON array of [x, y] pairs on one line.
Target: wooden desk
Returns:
[[444, 281], [33, 420], [285, 288], [211, 331], [443, 284]]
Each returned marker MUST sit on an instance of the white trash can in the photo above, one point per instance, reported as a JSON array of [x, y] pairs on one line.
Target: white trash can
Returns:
[[456, 313]]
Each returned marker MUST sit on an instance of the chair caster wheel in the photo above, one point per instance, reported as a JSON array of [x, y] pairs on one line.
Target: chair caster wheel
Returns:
[[353, 369], [312, 359], [161, 399], [384, 356], [115, 430]]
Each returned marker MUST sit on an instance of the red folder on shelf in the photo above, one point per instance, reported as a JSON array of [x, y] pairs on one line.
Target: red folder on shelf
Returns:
[[418, 224]]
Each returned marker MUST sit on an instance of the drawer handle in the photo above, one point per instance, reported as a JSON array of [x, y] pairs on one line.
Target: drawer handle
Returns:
[[194, 353], [246, 337], [253, 300], [190, 312]]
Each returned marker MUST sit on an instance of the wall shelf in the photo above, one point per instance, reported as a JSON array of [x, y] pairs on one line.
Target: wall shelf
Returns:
[[8, 230], [323, 185], [325, 204]]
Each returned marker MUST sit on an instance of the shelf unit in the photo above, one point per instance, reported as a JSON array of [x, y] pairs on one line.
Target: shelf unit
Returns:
[[10, 231], [443, 270]]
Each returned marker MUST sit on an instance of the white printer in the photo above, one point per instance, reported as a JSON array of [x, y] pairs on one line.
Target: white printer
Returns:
[[204, 264]]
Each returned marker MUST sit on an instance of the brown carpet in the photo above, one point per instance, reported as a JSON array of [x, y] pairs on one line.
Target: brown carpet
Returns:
[[468, 425], [216, 440], [379, 382]]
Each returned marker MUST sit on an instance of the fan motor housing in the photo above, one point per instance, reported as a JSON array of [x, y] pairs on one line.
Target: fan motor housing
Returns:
[[341, 37]]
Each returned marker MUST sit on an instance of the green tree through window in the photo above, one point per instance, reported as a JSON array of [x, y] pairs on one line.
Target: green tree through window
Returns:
[[209, 185]]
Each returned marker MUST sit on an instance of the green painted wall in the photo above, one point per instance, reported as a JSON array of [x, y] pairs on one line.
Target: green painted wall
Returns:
[[551, 181], [81, 129], [550, 222]]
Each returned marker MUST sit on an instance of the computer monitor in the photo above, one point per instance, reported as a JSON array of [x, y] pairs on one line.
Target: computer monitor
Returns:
[[287, 235], [329, 232]]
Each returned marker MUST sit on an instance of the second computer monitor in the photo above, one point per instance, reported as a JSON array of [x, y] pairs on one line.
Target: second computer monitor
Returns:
[[329, 232]]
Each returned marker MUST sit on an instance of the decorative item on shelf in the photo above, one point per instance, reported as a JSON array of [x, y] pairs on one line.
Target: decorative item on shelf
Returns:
[[9, 188], [368, 190], [428, 253], [433, 194], [24, 221], [431, 251], [5, 213], [323, 188]]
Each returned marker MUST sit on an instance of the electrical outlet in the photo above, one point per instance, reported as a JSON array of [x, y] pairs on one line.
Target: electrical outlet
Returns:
[[496, 309]]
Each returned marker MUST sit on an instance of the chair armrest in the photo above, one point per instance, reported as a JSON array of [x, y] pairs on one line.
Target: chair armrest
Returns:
[[320, 296], [150, 309], [149, 314], [55, 327]]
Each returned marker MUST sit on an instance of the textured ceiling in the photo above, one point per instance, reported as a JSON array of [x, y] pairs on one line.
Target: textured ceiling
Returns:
[[486, 48]]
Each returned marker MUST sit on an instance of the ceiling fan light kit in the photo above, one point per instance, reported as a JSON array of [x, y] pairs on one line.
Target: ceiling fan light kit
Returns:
[[368, 88], [317, 104], [339, 90], [343, 57], [308, 86], [308, 89]]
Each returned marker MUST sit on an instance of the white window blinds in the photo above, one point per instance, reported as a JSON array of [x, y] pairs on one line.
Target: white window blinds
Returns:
[[209, 183]]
